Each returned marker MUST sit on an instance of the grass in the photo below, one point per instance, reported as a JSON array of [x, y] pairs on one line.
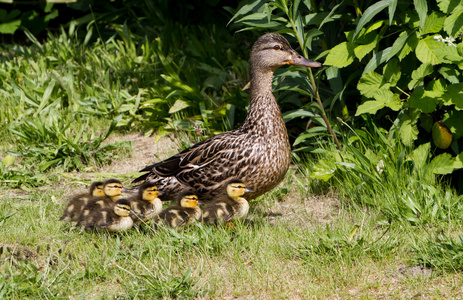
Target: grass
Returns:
[[295, 244], [372, 222]]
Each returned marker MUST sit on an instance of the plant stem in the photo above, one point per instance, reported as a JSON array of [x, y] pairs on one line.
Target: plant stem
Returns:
[[312, 80]]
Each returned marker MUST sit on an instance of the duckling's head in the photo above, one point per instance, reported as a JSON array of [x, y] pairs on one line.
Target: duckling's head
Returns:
[[96, 189], [122, 208], [236, 188], [188, 199], [112, 188], [272, 50], [148, 191]]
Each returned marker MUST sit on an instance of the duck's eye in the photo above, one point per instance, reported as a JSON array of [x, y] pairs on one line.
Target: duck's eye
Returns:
[[277, 47]]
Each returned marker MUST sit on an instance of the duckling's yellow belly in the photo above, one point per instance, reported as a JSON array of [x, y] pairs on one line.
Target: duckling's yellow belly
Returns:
[[123, 224]]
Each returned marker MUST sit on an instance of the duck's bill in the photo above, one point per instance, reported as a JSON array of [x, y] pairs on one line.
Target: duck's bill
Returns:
[[248, 190], [299, 60]]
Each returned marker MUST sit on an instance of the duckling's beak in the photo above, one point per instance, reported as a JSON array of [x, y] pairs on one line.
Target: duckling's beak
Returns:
[[125, 190], [299, 60], [200, 202], [248, 190]]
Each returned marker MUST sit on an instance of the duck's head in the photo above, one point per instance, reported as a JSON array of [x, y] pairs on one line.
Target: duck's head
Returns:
[[236, 188], [112, 188], [96, 189], [148, 191], [272, 50], [122, 208], [188, 199]]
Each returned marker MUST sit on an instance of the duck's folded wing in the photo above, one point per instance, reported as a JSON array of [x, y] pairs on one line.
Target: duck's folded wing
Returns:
[[197, 156]]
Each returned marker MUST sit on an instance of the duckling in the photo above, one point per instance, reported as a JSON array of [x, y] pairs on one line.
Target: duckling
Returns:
[[182, 214], [146, 205], [77, 203], [232, 206], [114, 219], [112, 189]]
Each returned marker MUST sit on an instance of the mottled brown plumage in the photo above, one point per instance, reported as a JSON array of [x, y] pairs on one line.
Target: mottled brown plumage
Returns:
[[258, 152], [146, 204], [113, 219], [182, 214], [112, 189], [227, 207], [77, 203]]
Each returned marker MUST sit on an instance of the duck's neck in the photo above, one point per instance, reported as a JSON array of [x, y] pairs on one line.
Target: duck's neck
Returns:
[[262, 104]]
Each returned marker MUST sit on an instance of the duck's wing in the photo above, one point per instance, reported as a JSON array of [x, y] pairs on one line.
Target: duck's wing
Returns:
[[217, 149]]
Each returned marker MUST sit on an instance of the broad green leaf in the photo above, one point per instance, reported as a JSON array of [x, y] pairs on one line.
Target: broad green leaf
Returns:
[[454, 122], [421, 8], [426, 122], [323, 173], [369, 13], [341, 55], [419, 74], [451, 74], [408, 131], [8, 160], [449, 54], [434, 23], [246, 9], [454, 96], [425, 51], [10, 27], [411, 44], [377, 59], [370, 82], [370, 107], [442, 164], [420, 100], [391, 72], [398, 45], [178, 105], [362, 50], [389, 99], [420, 155], [448, 6], [391, 10]]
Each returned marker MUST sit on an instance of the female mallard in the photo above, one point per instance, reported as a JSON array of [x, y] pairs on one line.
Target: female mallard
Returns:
[[231, 206], [77, 203], [258, 152]]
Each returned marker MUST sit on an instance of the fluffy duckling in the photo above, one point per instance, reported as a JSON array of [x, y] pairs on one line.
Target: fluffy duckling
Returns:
[[146, 205], [114, 219], [182, 214], [231, 206], [77, 203], [112, 189]]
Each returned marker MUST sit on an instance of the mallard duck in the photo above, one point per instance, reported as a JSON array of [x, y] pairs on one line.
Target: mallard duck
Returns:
[[114, 219], [258, 152], [183, 213], [77, 203], [146, 204], [112, 189], [231, 206]]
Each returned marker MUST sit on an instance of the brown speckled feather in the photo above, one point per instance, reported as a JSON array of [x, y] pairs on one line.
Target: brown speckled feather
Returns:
[[258, 152]]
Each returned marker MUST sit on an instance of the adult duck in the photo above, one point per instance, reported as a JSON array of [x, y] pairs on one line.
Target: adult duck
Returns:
[[258, 152]]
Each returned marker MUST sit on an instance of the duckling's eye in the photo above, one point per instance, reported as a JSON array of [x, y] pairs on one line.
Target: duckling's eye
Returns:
[[277, 47]]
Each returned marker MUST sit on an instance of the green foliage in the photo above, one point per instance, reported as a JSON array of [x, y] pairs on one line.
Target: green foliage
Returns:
[[377, 170], [35, 20], [384, 58], [441, 252]]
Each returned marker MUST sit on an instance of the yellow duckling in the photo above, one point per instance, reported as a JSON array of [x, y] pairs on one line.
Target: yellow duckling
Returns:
[[114, 219], [112, 189], [146, 205], [231, 206], [184, 213], [77, 203]]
